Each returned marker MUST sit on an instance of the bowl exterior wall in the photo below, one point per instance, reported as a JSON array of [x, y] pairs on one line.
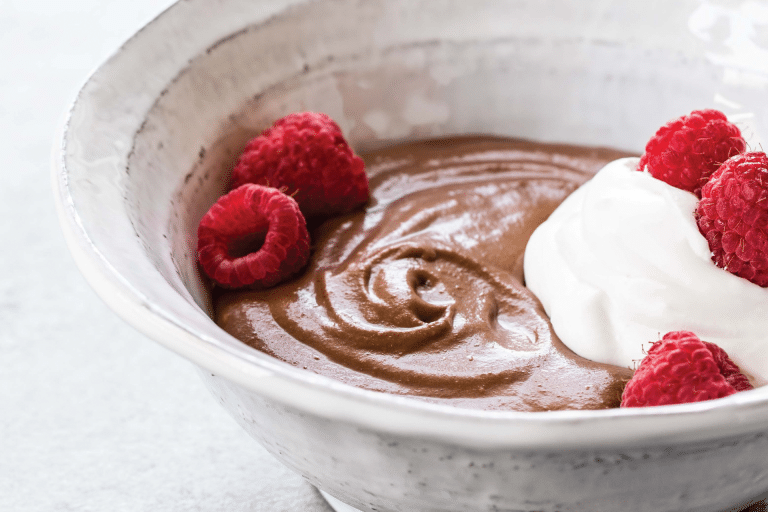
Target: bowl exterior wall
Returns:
[[373, 471]]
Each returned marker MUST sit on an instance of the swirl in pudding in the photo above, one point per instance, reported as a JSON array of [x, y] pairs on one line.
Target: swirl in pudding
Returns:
[[423, 292]]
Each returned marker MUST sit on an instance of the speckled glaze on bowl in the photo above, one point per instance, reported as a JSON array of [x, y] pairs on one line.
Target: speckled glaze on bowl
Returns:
[[150, 137]]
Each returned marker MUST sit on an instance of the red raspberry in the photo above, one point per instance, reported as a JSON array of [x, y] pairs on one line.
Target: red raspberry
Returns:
[[254, 236], [305, 155], [733, 216], [681, 369], [687, 150]]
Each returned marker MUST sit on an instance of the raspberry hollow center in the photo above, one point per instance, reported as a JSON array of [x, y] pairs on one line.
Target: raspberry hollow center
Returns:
[[246, 244]]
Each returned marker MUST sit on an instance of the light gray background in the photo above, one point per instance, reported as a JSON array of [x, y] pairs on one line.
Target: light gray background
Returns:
[[93, 415]]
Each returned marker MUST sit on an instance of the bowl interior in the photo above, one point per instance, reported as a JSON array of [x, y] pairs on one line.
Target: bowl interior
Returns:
[[402, 72]]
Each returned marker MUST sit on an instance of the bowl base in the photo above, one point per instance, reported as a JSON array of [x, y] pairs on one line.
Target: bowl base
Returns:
[[337, 505]]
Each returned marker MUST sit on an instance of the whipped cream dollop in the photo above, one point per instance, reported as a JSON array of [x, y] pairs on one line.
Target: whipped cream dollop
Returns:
[[621, 262]]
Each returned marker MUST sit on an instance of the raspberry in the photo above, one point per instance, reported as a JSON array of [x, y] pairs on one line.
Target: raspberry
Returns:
[[686, 151], [254, 236], [733, 216], [681, 369], [728, 368], [306, 156]]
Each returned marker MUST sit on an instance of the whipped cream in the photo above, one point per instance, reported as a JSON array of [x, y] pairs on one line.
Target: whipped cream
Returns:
[[621, 262]]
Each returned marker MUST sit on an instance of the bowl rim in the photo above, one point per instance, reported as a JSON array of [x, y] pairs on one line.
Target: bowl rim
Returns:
[[738, 414]]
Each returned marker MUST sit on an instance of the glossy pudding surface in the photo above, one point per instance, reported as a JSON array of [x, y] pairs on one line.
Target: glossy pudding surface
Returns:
[[422, 292]]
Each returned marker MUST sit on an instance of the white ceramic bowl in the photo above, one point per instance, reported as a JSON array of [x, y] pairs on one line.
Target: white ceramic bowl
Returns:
[[153, 131]]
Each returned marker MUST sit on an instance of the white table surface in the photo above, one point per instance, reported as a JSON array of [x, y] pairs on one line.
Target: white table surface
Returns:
[[93, 415]]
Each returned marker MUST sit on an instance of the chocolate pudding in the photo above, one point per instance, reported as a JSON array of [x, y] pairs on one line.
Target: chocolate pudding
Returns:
[[422, 293]]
